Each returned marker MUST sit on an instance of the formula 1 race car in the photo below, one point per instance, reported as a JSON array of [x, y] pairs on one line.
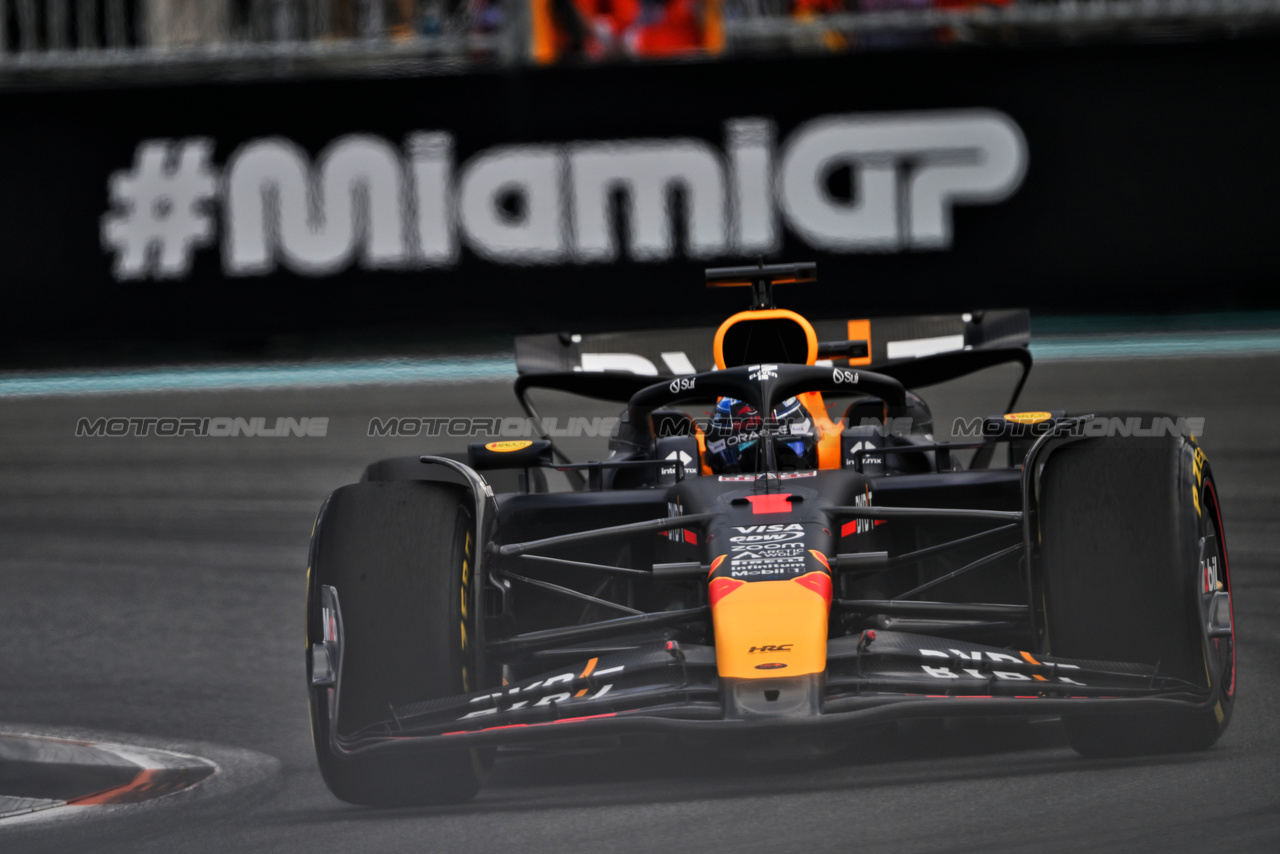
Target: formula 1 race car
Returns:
[[768, 570]]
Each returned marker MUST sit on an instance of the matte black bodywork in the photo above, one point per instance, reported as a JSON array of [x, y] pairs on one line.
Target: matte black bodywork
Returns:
[[596, 601]]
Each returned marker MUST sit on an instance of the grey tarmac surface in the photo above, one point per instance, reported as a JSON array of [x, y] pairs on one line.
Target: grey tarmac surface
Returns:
[[153, 587]]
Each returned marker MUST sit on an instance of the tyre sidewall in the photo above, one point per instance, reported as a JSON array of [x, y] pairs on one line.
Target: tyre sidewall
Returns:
[[437, 659], [1154, 611]]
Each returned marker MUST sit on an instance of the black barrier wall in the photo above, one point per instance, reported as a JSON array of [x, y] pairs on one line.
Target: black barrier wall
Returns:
[[1083, 179]]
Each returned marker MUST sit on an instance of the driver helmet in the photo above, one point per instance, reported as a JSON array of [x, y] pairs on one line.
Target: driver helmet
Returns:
[[736, 435]]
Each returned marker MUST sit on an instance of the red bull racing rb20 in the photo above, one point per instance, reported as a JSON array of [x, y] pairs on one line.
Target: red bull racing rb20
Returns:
[[769, 571]]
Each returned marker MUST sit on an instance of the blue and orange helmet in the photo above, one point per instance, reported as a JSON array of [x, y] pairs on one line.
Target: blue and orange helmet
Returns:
[[736, 435]]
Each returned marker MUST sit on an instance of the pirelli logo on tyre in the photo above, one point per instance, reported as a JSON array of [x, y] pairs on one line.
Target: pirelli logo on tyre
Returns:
[[464, 595], [508, 446], [1027, 417]]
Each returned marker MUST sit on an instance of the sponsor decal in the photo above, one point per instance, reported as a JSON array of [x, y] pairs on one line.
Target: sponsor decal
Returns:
[[780, 536], [767, 550], [675, 535], [770, 568], [778, 531], [680, 384], [1197, 466], [763, 372], [508, 446], [958, 657], [802, 427], [745, 438], [844, 376], [767, 554], [683, 457], [527, 696], [860, 526], [1027, 417], [792, 475], [771, 665], [781, 647], [762, 550], [1209, 572], [867, 459]]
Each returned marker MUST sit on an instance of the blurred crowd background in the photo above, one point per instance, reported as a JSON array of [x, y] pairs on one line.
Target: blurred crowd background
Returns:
[[36, 32]]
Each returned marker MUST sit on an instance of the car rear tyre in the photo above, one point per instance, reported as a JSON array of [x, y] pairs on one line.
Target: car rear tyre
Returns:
[[399, 557], [1131, 542]]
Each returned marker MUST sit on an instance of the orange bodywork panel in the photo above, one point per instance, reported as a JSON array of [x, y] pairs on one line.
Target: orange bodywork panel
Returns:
[[771, 623], [828, 431], [860, 330], [811, 337], [702, 450]]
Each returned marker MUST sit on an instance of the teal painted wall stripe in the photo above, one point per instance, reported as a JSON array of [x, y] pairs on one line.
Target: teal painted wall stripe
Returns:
[[500, 367], [389, 371]]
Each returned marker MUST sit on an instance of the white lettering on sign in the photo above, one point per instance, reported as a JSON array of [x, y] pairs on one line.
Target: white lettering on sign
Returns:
[[961, 157], [364, 201]]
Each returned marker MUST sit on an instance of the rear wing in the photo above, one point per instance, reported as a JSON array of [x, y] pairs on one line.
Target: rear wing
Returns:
[[918, 351]]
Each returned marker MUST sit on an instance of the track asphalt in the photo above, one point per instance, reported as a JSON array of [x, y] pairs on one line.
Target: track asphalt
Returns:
[[152, 588]]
